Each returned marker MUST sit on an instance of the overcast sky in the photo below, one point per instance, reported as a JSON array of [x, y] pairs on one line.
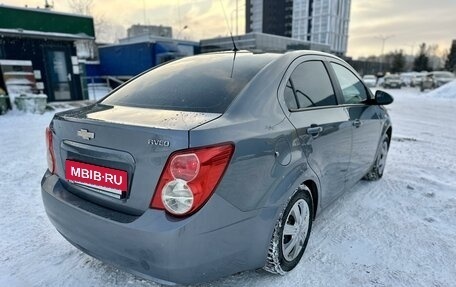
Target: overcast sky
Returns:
[[409, 22]]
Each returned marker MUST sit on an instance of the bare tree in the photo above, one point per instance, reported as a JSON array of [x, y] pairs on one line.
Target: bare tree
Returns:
[[102, 27], [83, 7], [436, 57]]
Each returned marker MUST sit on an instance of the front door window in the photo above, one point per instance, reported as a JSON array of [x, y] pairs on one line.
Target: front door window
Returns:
[[353, 89]]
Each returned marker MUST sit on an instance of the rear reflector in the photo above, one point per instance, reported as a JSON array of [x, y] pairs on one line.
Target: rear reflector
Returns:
[[190, 177], [50, 151]]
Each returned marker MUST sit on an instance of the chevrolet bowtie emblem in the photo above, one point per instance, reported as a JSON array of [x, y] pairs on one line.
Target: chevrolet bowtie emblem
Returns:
[[85, 134]]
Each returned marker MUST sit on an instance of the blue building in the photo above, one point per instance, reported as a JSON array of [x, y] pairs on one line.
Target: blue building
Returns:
[[132, 56]]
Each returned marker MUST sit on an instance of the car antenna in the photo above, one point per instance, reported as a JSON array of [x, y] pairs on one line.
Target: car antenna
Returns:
[[235, 49]]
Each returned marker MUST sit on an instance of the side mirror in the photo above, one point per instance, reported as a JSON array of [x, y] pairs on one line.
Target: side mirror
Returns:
[[383, 98]]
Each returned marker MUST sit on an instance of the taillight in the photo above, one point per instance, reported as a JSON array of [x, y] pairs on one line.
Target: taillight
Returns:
[[185, 166], [190, 177], [50, 151]]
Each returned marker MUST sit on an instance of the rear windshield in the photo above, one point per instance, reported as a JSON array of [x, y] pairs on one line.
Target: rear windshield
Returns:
[[199, 84]]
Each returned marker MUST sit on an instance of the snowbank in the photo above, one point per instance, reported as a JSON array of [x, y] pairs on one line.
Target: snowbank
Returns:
[[447, 91]]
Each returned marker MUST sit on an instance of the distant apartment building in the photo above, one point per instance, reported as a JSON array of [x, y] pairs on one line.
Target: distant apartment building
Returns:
[[269, 17], [260, 42], [319, 21], [151, 30]]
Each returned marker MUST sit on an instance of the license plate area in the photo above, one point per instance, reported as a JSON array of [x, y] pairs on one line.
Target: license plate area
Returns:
[[104, 180]]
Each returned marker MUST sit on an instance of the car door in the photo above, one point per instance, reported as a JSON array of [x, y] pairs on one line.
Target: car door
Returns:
[[364, 119], [321, 124]]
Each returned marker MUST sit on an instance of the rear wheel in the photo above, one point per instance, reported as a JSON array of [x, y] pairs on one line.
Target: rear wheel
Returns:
[[291, 234], [379, 165]]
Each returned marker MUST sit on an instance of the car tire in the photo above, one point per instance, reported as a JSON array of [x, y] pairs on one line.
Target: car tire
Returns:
[[291, 233], [378, 168]]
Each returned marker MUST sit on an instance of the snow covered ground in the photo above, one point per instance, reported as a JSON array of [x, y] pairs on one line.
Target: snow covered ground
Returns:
[[447, 91], [399, 231]]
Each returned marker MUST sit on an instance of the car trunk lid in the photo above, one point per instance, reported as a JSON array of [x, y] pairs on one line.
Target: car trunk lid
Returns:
[[134, 141]]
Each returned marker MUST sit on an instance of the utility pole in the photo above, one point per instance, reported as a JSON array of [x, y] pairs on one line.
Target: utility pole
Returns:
[[237, 9], [180, 31], [144, 12], [383, 38], [412, 48]]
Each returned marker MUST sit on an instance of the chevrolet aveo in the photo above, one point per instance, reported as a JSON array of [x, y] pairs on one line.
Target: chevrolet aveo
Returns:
[[213, 164]]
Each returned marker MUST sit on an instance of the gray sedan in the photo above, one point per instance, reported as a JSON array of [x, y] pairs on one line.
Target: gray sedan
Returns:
[[213, 164]]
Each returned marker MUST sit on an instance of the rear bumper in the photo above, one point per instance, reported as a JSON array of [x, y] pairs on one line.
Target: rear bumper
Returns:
[[427, 85], [217, 241], [392, 85]]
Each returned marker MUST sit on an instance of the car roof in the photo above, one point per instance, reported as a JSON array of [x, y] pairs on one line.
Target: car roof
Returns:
[[441, 73], [295, 53], [243, 53]]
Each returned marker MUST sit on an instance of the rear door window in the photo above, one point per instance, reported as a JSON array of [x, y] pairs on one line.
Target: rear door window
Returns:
[[197, 84], [309, 86]]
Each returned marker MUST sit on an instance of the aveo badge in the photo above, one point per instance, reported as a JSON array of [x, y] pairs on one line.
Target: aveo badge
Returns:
[[159, 142]]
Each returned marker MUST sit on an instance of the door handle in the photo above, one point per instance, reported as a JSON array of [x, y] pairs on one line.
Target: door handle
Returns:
[[357, 123], [314, 131], [69, 77]]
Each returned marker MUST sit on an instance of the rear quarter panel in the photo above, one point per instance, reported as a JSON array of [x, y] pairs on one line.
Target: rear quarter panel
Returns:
[[268, 163]]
